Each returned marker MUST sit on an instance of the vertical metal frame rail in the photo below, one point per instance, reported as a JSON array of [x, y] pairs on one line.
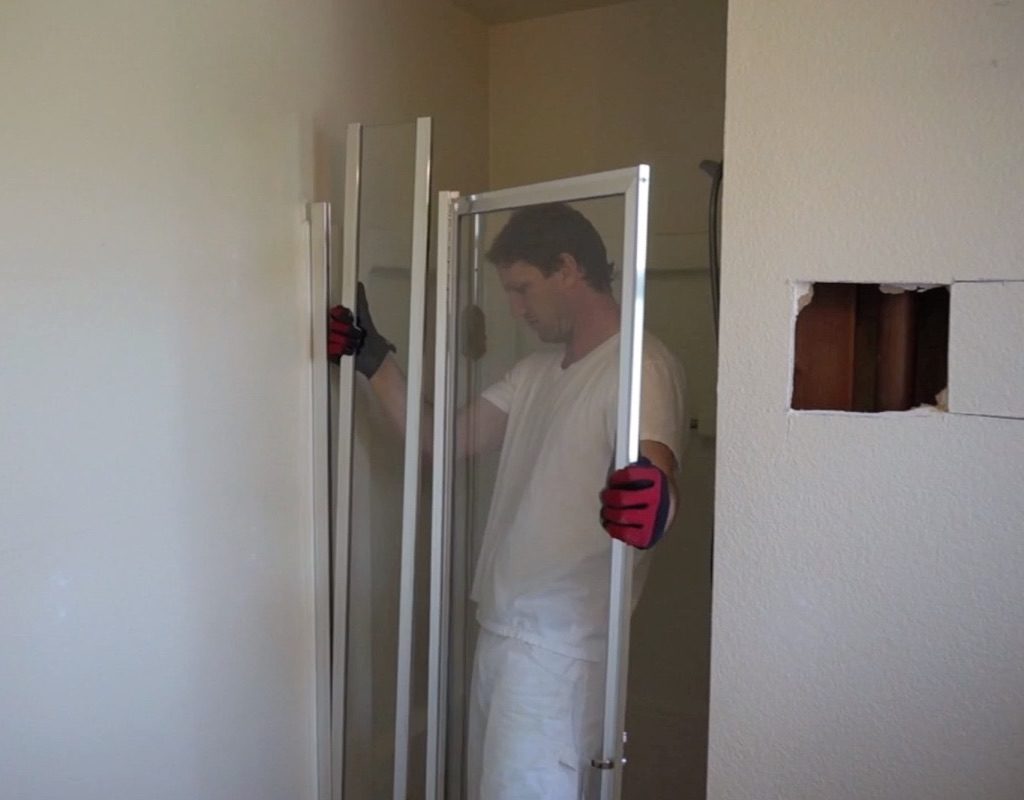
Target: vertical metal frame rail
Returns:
[[633, 184], [318, 216], [440, 549], [343, 466], [627, 447], [411, 487]]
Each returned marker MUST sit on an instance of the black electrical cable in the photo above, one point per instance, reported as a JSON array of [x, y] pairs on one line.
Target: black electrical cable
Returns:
[[714, 170]]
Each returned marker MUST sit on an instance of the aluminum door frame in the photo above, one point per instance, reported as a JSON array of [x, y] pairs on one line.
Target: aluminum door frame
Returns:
[[344, 419], [443, 463], [633, 184], [413, 455], [344, 440], [318, 216]]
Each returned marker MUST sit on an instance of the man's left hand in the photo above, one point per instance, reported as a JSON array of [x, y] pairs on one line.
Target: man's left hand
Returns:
[[635, 504]]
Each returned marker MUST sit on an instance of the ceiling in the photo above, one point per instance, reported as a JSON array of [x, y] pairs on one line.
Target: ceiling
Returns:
[[514, 10]]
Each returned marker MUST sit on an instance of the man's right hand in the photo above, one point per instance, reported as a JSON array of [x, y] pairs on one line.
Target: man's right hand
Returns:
[[344, 337], [356, 336]]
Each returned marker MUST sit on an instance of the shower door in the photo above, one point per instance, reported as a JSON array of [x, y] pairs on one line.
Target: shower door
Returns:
[[478, 342], [378, 710]]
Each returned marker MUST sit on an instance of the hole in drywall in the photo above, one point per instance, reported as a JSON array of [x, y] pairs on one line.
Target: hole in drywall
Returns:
[[870, 347]]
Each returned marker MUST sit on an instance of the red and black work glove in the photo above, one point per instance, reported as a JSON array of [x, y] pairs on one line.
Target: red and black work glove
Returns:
[[635, 504], [357, 336], [344, 337]]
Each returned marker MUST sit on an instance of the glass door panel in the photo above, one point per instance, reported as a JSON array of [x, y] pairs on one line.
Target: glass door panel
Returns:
[[535, 403], [378, 465]]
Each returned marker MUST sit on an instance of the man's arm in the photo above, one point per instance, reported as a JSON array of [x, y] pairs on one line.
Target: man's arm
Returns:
[[479, 426], [640, 501]]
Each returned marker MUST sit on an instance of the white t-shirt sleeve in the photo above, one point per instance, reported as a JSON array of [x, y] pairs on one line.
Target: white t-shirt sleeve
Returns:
[[663, 400], [500, 394]]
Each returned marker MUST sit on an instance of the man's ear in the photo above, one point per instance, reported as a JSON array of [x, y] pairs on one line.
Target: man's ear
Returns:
[[570, 268]]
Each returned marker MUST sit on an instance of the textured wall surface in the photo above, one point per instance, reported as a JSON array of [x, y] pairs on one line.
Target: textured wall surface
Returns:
[[869, 585], [987, 322]]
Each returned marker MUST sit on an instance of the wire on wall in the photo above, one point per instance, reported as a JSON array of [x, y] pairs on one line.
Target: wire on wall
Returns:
[[714, 170]]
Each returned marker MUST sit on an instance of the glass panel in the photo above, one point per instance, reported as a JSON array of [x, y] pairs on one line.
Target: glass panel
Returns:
[[537, 337], [384, 252]]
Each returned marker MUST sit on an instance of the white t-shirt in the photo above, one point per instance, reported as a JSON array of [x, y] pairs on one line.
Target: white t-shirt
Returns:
[[544, 567]]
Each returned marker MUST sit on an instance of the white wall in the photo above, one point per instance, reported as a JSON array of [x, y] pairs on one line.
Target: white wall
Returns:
[[611, 87], [406, 58], [869, 584], [155, 595], [155, 563]]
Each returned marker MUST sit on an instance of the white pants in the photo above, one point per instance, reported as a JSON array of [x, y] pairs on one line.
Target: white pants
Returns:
[[534, 723]]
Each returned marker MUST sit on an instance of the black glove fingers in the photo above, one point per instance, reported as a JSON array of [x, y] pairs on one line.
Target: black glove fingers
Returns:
[[373, 348], [362, 306], [340, 314]]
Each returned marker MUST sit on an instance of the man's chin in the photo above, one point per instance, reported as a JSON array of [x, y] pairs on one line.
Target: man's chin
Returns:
[[550, 337]]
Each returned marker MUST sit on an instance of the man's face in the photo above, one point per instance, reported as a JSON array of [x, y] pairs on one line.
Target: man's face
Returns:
[[538, 299]]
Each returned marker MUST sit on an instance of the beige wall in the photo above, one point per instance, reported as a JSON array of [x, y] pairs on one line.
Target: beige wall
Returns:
[[406, 58], [869, 584], [155, 588], [612, 87], [155, 564]]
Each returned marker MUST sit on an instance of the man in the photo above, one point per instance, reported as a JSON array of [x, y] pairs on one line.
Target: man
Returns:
[[542, 579]]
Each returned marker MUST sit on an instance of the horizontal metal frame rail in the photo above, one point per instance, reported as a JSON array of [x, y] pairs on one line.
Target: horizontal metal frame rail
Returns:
[[586, 187]]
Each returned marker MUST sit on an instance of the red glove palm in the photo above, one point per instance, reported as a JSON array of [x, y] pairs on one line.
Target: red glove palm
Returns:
[[635, 504], [344, 337]]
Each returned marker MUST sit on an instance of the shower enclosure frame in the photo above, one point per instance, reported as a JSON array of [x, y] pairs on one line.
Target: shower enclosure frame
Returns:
[[333, 659], [632, 184]]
